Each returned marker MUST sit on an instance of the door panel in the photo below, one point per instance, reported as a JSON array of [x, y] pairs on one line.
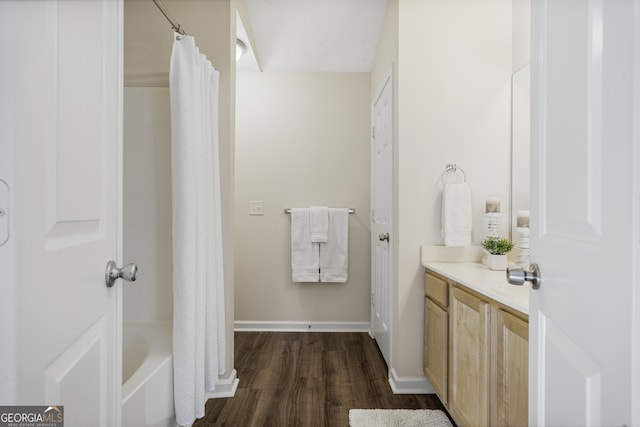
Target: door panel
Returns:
[[581, 175], [564, 358], [84, 363], [68, 206], [574, 121], [79, 125]]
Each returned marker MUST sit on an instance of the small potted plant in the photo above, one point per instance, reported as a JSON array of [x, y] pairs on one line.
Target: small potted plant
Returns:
[[497, 248]]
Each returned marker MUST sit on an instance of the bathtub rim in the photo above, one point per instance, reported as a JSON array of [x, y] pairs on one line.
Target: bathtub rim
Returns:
[[160, 353]]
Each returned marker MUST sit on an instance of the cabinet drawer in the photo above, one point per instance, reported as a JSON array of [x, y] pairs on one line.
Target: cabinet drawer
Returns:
[[436, 289]]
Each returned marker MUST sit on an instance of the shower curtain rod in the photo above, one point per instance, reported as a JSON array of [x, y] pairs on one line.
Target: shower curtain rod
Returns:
[[169, 17]]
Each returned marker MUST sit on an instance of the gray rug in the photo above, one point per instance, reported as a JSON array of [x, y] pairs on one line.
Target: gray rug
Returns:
[[398, 418]]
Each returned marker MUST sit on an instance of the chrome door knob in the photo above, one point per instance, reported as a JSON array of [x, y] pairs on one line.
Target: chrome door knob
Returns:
[[518, 275], [383, 237], [113, 273]]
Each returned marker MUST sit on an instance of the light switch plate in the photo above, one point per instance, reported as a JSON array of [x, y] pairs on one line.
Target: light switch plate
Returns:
[[256, 207]]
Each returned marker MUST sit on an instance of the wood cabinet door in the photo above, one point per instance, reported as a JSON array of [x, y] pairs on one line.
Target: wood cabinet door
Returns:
[[469, 350], [436, 329], [510, 362]]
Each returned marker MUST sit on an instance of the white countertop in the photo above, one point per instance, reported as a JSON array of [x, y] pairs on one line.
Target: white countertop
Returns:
[[479, 278]]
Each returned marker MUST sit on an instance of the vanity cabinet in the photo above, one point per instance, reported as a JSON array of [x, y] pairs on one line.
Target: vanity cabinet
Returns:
[[436, 326], [475, 354]]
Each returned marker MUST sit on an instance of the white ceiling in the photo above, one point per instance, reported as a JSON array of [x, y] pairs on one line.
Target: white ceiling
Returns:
[[313, 35]]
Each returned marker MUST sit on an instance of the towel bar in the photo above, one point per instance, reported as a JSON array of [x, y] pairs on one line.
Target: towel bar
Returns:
[[288, 210]]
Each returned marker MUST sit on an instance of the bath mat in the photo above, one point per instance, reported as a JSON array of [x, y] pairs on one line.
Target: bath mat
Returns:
[[398, 418]]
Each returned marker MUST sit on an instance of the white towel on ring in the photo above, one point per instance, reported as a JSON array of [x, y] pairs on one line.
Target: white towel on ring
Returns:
[[456, 214]]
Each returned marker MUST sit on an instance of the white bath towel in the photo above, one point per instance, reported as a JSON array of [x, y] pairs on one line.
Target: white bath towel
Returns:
[[334, 255], [456, 214], [319, 220], [305, 257]]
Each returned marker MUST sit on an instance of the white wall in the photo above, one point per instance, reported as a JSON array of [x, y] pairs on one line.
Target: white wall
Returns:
[[521, 33], [147, 204], [453, 79], [302, 139]]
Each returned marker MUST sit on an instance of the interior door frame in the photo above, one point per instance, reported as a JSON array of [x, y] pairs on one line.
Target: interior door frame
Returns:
[[120, 210], [635, 272], [387, 80]]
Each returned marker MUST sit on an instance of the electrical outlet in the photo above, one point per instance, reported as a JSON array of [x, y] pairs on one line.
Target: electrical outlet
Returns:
[[256, 207]]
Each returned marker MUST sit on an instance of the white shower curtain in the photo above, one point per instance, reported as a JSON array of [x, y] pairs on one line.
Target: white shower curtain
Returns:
[[198, 279]]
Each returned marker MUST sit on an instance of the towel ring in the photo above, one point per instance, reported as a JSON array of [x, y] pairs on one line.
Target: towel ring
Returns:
[[452, 169]]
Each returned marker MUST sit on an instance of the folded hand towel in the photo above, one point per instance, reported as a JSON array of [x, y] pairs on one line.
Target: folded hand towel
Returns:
[[456, 214], [334, 255], [304, 253], [319, 220]]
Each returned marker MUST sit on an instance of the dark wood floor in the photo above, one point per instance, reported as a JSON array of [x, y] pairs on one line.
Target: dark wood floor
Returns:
[[307, 379]]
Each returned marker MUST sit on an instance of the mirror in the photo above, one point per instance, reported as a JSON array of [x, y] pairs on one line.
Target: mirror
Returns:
[[520, 125]]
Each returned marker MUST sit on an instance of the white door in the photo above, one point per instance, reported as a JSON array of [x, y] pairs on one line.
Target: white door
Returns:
[[63, 72], [582, 212], [381, 219]]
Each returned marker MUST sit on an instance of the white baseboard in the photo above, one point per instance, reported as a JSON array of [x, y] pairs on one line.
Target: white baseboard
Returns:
[[409, 385], [225, 387], [293, 326]]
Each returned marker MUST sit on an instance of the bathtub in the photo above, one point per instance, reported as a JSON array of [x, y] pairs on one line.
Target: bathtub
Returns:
[[147, 376]]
